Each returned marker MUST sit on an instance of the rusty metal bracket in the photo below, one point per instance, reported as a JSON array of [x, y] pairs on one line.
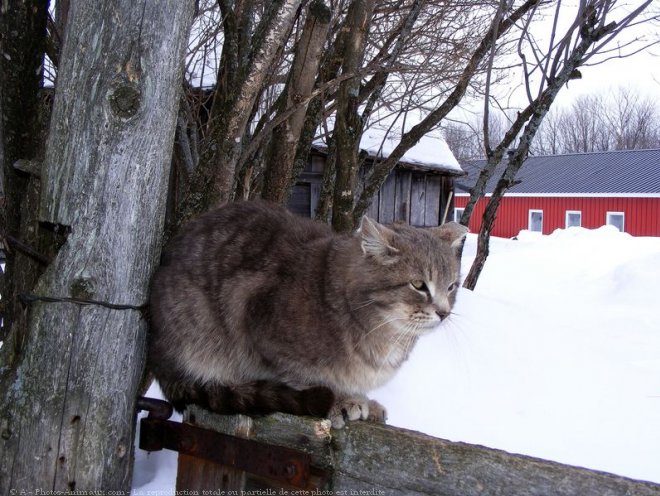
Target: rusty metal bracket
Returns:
[[265, 460], [157, 408]]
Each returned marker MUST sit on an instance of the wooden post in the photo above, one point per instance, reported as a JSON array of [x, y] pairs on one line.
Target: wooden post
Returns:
[[67, 416], [375, 459]]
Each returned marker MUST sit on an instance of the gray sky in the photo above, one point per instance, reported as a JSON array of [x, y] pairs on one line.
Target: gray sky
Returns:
[[640, 71]]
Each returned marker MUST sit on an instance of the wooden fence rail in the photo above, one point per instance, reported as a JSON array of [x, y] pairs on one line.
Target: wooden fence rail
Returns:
[[369, 459]]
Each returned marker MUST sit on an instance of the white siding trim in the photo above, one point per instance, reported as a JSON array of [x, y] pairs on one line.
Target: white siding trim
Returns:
[[568, 212], [529, 219], [623, 217]]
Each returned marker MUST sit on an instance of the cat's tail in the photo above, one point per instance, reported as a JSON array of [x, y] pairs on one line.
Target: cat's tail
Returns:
[[257, 398]]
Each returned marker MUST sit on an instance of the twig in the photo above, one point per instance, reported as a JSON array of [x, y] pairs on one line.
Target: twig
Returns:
[[25, 249]]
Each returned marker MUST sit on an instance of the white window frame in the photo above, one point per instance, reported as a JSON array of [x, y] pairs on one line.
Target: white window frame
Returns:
[[529, 220], [608, 222], [458, 213], [569, 212]]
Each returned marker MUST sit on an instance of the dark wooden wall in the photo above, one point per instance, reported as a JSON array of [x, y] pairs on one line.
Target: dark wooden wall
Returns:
[[415, 197]]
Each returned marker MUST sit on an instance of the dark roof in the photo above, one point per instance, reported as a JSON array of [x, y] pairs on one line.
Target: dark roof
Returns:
[[625, 172]]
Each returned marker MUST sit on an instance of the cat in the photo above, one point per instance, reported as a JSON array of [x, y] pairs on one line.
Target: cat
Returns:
[[255, 310]]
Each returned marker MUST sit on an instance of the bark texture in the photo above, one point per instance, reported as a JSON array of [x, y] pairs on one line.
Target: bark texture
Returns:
[[67, 408], [22, 45], [302, 77], [349, 123], [246, 63]]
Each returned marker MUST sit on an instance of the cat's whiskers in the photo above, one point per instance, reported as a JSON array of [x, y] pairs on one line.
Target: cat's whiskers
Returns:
[[454, 325], [363, 304], [412, 338], [385, 322], [406, 332]]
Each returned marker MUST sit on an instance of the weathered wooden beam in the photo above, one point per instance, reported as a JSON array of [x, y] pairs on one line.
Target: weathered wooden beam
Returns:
[[387, 197], [387, 460], [432, 199], [67, 407], [402, 200], [417, 199]]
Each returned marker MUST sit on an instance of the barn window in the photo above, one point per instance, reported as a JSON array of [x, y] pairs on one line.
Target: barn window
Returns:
[[615, 219], [536, 220], [458, 213], [573, 218]]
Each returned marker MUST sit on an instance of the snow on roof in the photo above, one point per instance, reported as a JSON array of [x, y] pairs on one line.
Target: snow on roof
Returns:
[[430, 153]]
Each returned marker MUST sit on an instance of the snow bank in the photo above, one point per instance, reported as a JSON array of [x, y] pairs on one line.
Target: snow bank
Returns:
[[555, 355]]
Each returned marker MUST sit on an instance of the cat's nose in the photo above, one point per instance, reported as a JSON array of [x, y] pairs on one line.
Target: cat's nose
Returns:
[[441, 307], [441, 314]]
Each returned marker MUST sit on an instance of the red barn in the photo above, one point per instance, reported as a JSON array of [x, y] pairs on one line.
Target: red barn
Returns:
[[621, 188]]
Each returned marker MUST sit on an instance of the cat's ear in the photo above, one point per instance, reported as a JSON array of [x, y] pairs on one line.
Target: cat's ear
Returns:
[[376, 241], [452, 233]]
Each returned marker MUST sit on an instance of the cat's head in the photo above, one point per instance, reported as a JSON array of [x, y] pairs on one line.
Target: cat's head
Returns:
[[413, 272]]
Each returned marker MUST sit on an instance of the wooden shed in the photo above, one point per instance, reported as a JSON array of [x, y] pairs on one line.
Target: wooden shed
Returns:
[[418, 191], [619, 188]]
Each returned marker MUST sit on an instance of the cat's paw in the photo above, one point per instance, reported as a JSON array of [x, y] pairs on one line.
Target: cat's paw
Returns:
[[360, 408], [347, 409], [377, 412]]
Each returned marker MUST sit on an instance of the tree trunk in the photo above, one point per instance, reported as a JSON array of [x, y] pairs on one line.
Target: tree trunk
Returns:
[[535, 112], [242, 82], [285, 137], [22, 46], [348, 122], [67, 414], [494, 157], [380, 172]]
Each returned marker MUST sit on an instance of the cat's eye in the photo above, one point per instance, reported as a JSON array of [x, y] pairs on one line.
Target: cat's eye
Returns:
[[419, 285], [452, 287]]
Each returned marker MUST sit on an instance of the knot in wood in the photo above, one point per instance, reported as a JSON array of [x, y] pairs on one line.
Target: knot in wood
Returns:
[[83, 288], [321, 11], [125, 100], [121, 451]]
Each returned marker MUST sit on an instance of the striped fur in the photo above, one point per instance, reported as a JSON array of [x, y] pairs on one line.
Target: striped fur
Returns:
[[256, 310]]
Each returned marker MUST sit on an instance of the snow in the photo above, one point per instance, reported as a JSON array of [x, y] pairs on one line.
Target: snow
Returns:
[[378, 141], [430, 152], [154, 473], [556, 354]]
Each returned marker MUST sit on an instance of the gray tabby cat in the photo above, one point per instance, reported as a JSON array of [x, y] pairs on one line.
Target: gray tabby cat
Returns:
[[255, 310]]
